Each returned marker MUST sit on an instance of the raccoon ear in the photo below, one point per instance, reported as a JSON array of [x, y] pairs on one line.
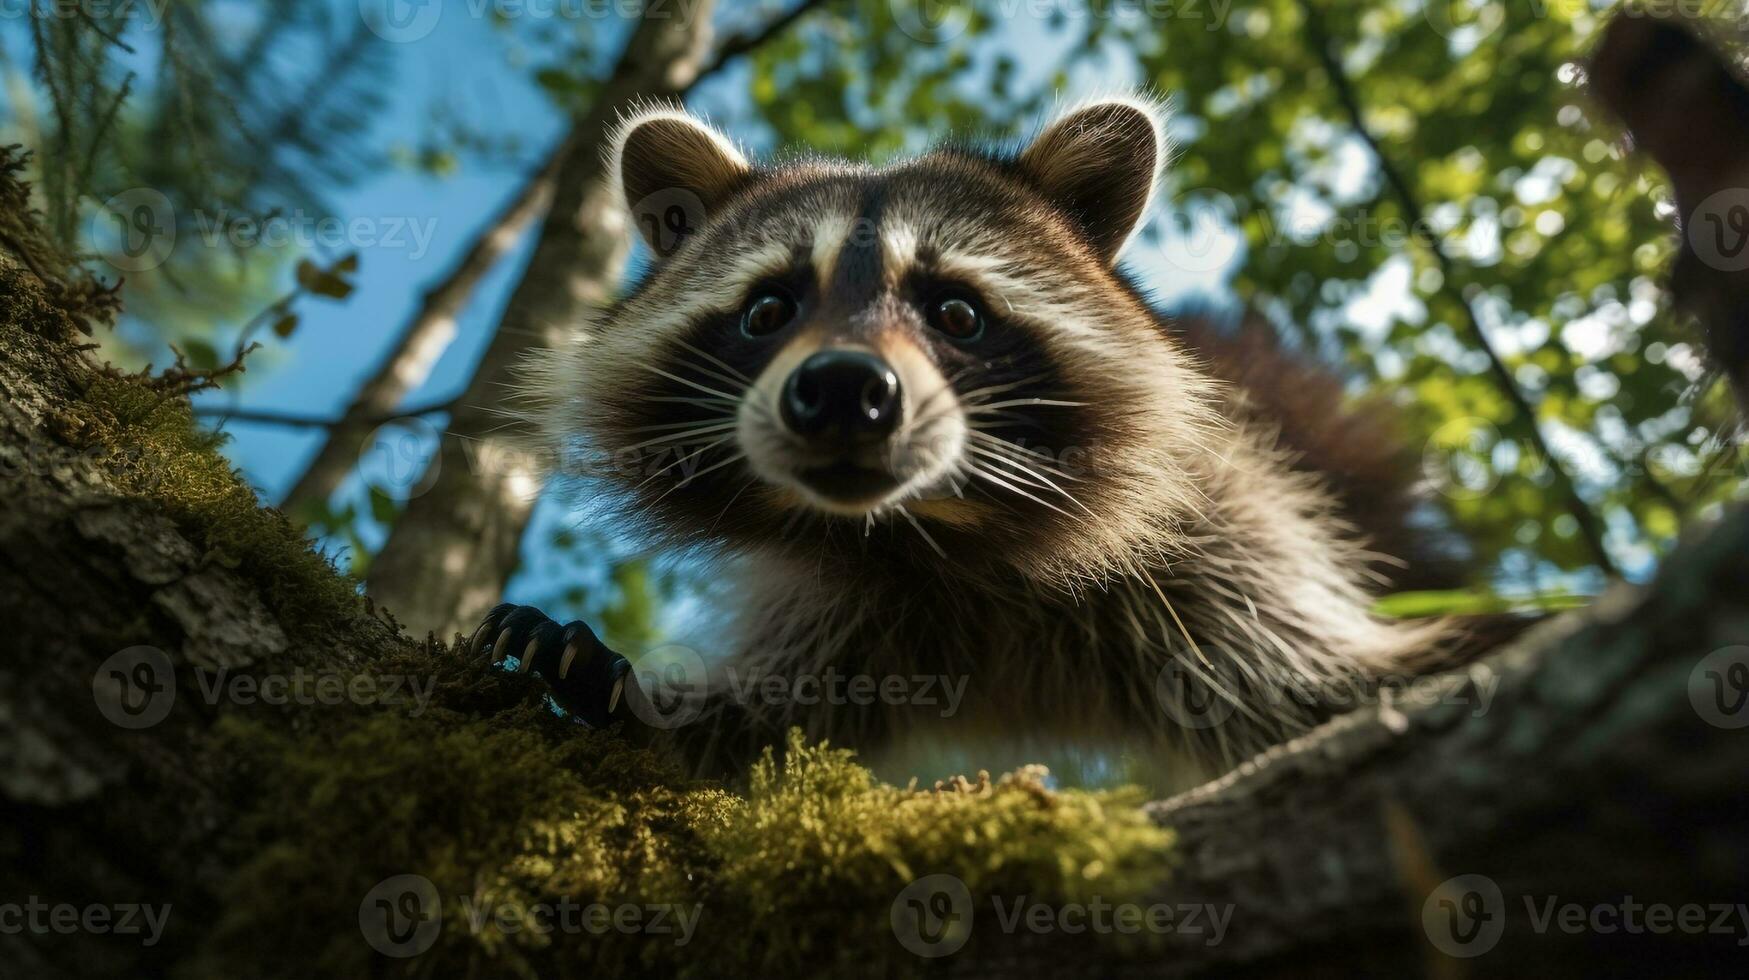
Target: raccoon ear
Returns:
[[1099, 163], [673, 171]]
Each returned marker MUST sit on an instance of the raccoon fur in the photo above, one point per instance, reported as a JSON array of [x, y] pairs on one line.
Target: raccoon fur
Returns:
[[935, 432]]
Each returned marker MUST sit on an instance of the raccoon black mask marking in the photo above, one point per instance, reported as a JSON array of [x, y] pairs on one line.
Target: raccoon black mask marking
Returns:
[[944, 435]]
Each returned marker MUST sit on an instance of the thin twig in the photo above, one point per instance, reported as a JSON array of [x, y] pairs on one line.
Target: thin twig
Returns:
[[295, 420], [1590, 525]]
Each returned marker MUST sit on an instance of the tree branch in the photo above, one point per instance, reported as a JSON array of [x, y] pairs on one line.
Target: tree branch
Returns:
[[424, 337], [1590, 525], [262, 416]]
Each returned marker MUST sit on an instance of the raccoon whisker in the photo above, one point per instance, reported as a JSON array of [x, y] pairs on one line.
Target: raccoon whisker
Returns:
[[919, 526], [724, 512], [740, 383], [682, 459], [686, 400], [689, 383], [1021, 453], [704, 430], [765, 412], [714, 360], [1032, 476], [978, 409], [999, 481], [925, 422], [999, 389], [923, 406], [1038, 470], [796, 517], [666, 426], [714, 466]]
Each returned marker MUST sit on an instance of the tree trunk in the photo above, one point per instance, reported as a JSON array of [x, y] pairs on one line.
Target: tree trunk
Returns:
[[454, 547], [422, 340]]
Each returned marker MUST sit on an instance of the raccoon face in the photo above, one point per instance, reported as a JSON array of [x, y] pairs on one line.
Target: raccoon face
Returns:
[[942, 346]]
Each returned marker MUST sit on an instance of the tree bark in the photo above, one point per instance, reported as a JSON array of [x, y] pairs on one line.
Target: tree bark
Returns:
[[1587, 763]]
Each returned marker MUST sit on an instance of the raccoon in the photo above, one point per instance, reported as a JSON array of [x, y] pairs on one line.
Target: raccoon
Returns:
[[936, 434]]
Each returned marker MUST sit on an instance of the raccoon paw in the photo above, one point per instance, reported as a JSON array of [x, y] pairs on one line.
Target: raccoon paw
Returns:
[[584, 676]]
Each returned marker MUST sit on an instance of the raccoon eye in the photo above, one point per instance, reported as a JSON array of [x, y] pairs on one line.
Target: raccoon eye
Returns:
[[768, 313], [957, 317]]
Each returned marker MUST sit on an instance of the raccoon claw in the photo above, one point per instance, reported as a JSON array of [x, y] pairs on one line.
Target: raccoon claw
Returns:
[[584, 676]]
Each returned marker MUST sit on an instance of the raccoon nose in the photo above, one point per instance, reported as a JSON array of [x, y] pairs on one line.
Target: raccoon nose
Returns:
[[838, 395]]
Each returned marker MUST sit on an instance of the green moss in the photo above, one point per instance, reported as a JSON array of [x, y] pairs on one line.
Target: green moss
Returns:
[[157, 450], [505, 808]]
